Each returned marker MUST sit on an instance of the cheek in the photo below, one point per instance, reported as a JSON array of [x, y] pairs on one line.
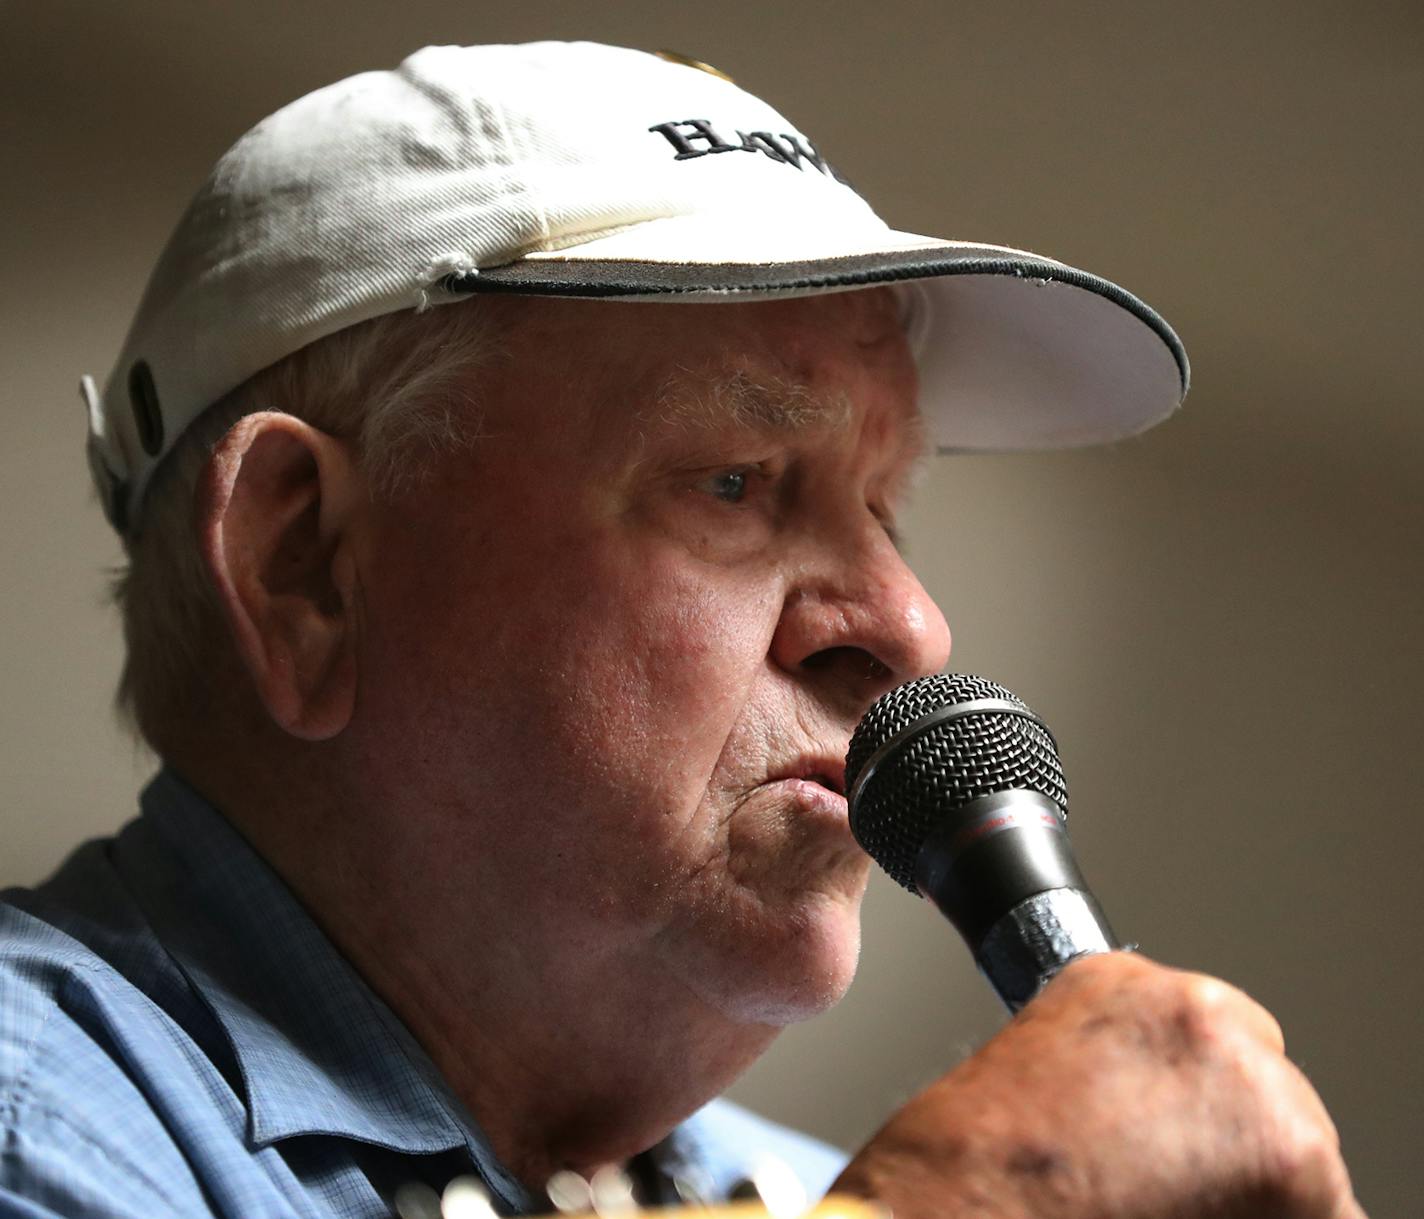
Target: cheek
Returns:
[[601, 671], [661, 656], [646, 671]]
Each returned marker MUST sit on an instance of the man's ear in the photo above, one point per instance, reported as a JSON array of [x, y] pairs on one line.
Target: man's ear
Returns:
[[275, 514]]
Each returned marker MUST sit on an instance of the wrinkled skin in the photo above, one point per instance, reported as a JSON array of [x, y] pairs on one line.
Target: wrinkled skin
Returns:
[[551, 747], [676, 619], [1125, 1090]]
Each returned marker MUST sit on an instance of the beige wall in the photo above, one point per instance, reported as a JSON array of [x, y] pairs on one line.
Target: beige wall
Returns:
[[1222, 620]]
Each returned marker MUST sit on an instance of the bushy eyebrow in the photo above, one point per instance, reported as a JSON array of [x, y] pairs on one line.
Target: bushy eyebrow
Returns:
[[774, 404], [740, 399]]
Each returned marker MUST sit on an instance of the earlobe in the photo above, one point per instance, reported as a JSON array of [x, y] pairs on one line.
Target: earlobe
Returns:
[[275, 522]]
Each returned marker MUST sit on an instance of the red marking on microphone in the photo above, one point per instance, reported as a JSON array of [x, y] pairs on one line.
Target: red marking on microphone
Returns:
[[998, 820]]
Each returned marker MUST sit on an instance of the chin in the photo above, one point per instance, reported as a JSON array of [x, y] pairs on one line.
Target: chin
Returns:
[[800, 971]]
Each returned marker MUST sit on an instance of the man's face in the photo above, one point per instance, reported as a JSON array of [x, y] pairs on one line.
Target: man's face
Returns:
[[613, 655]]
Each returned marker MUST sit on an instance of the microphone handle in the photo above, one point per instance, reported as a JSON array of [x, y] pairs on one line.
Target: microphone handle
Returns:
[[1001, 869], [1037, 938]]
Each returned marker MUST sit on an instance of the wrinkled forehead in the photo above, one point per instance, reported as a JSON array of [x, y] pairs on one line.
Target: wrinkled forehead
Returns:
[[619, 367]]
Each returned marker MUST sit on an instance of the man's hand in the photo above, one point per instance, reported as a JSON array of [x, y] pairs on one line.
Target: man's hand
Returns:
[[1126, 1090]]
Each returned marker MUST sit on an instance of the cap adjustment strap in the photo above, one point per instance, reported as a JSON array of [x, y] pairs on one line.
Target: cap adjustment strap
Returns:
[[106, 459]]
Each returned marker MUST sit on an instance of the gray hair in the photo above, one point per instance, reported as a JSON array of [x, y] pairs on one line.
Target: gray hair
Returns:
[[401, 387]]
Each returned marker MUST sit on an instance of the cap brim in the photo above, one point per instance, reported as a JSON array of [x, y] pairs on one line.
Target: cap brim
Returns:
[[1015, 351]]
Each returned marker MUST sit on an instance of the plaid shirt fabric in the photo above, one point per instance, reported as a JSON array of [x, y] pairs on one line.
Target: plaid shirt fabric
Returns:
[[177, 1037]]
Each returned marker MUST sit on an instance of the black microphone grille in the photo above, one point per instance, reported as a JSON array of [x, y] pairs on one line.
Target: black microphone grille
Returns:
[[918, 776]]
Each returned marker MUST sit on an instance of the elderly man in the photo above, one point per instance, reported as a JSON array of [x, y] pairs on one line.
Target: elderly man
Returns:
[[502, 645]]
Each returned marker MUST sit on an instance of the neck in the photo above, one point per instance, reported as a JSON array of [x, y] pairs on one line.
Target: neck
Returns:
[[571, 1046], [575, 1074]]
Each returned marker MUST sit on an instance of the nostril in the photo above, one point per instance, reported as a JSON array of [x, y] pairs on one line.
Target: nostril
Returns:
[[856, 662]]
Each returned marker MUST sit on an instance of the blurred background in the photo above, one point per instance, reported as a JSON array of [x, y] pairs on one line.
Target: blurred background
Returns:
[[1222, 620]]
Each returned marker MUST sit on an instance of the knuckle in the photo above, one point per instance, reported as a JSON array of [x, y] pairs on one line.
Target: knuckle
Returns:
[[1305, 1170], [1200, 1010]]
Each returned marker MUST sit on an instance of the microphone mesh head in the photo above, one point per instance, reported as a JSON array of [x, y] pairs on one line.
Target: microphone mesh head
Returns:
[[928, 777]]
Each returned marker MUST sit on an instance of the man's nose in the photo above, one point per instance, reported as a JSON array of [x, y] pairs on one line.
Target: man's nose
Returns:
[[860, 624]]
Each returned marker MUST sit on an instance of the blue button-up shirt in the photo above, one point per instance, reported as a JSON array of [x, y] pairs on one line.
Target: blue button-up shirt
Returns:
[[178, 1037]]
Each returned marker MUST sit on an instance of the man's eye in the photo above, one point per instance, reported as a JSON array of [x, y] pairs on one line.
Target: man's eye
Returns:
[[728, 485]]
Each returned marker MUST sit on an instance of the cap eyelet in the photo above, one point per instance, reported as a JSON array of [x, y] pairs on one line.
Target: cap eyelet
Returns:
[[143, 395]]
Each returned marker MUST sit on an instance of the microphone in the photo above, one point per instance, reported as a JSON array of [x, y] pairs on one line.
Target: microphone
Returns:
[[955, 789]]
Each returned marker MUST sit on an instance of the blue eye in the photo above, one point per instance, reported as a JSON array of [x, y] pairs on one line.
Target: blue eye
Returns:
[[729, 486]]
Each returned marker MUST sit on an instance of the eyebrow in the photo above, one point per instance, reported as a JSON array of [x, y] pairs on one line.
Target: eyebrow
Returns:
[[739, 399], [779, 404]]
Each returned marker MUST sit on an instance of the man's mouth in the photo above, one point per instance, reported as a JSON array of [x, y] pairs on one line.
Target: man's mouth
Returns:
[[824, 770], [824, 781]]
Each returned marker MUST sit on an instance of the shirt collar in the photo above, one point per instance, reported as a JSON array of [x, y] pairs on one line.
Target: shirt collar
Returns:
[[318, 1052]]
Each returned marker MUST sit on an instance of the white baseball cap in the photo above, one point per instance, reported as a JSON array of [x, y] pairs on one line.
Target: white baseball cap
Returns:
[[580, 170]]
